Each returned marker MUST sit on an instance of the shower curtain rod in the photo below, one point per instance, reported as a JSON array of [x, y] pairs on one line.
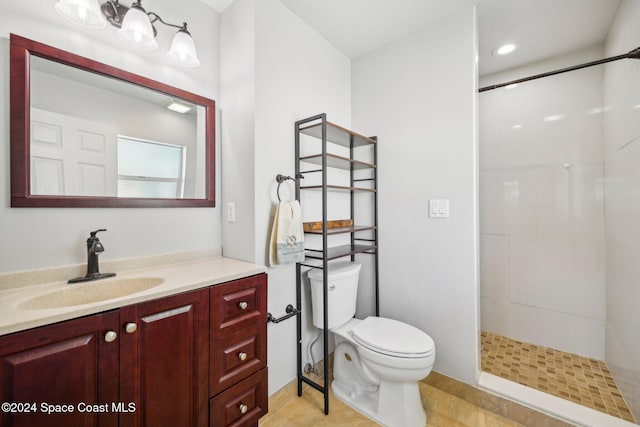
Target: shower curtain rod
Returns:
[[635, 54]]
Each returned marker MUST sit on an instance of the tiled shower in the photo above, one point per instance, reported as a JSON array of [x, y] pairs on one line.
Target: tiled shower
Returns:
[[559, 205]]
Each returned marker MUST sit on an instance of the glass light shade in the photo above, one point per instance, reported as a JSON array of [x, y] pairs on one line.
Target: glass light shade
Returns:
[[183, 50], [137, 30], [83, 12]]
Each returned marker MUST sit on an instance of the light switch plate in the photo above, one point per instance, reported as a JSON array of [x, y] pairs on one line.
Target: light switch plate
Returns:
[[231, 212], [439, 208]]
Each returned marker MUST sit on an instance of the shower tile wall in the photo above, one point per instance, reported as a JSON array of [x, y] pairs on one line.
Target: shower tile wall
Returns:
[[541, 207], [622, 157]]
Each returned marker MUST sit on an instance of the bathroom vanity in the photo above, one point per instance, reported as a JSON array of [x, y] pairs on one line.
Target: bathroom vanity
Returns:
[[190, 351]]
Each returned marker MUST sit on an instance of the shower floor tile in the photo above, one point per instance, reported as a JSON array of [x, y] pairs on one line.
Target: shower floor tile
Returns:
[[585, 381]]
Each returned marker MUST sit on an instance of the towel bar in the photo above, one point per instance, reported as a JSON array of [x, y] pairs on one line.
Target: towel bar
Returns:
[[290, 313]]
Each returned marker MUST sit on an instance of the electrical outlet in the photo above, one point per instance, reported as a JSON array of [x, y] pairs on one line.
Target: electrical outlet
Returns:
[[231, 212]]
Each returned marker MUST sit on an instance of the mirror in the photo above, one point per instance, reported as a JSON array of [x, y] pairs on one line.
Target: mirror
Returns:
[[85, 134]]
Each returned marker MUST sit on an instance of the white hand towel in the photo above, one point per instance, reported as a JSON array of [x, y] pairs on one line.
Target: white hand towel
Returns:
[[287, 237]]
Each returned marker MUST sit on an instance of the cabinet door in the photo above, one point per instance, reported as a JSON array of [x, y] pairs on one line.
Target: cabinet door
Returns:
[[164, 361], [68, 363]]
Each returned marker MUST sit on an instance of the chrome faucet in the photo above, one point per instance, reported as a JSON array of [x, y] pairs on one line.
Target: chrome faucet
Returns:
[[94, 248]]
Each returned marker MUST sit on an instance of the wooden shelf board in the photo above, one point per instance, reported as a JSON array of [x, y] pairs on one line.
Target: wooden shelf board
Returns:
[[342, 230], [337, 135]]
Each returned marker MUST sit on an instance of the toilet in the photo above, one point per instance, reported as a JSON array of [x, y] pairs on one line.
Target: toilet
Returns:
[[377, 362]]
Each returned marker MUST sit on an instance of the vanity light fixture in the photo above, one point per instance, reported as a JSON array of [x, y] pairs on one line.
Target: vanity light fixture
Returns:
[[136, 26], [504, 49]]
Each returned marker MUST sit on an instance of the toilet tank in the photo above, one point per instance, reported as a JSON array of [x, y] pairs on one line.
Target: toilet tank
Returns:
[[342, 284]]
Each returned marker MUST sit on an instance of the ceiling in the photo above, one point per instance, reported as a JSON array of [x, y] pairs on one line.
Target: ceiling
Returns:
[[540, 28], [218, 5]]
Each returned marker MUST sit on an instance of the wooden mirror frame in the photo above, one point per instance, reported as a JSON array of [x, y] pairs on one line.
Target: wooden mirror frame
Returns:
[[21, 49]]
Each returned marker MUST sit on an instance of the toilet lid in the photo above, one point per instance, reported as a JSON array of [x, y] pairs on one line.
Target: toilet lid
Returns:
[[392, 337]]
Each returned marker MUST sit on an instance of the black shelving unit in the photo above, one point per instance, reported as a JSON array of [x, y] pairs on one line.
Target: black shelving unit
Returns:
[[322, 133]]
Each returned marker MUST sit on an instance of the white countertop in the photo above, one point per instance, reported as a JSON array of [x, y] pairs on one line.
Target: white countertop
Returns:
[[179, 277]]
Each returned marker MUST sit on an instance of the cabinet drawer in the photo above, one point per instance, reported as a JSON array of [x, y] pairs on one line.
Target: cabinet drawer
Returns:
[[236, 356], [238, 304], [241, 405]]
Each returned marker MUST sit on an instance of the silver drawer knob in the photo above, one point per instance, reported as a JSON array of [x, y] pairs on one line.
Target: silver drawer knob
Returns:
[[110, 336], [131, 327], [243, 305], [243, 408], [242, 356]]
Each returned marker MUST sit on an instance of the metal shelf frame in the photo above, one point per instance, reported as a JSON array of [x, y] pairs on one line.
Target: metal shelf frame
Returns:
[[326, 132]]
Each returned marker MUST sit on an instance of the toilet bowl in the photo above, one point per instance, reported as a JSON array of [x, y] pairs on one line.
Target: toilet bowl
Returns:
[[378, 362]]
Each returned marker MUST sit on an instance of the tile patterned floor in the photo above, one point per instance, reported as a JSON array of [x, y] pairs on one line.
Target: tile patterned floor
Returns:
[[448, 403], [579, 379]]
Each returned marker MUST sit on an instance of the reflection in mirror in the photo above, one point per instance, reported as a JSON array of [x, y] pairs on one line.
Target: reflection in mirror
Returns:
[[85, 134], [161, 175], [96, 136]]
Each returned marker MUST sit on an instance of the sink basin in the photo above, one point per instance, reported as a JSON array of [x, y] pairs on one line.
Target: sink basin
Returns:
[[91, 292]]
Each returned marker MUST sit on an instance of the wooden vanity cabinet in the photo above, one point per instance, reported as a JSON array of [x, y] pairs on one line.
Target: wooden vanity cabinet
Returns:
[[160, 356]]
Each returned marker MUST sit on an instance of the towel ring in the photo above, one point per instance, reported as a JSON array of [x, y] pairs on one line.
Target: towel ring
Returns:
[[280, 179]]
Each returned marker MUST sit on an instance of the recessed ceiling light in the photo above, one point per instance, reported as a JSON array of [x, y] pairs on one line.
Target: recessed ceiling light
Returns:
[[504, 49], [636, 107], [518, 126]]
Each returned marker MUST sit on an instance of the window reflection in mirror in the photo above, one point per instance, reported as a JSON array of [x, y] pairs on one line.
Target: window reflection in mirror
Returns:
[[160, 175]]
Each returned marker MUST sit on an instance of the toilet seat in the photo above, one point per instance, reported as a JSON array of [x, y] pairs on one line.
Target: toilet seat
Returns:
[[392, 338]]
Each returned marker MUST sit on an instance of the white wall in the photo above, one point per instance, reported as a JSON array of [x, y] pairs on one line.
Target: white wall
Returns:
[[35, 238], [291, 72], [622, 195], [541, 224], [237, 112], [298, 74], [417, 95]]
